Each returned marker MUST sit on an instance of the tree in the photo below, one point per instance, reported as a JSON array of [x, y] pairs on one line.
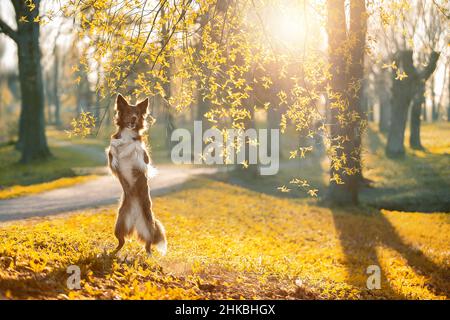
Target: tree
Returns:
[[403, 92], [411, 35], [419, 101], [56, 84], [32, 140], [345, 98], [434, 34]]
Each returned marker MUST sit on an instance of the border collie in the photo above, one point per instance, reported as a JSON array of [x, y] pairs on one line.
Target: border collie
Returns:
[[130, 163]]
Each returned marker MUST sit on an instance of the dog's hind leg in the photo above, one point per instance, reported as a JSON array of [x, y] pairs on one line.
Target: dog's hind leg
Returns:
[[120, 245], [120, 230], [144, 232], [120, 237], [148, 248]]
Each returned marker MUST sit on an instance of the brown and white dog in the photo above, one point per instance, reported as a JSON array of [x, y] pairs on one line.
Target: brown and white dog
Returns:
[[129, 162]]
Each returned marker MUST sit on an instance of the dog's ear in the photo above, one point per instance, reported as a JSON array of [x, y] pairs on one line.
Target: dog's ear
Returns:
[[143, 106], [121, 103]]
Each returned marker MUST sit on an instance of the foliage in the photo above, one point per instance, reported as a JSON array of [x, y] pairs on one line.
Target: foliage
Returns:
[[82, 127], [220, 49], [228, 242]]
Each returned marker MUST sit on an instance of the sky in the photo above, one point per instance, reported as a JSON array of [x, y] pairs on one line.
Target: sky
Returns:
[[48, 33], [9, 59]]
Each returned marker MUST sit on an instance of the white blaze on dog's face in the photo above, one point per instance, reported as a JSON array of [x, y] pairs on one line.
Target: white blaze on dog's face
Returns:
[[128, 116]]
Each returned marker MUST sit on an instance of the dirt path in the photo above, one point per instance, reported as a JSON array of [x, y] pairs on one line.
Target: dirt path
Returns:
[[102, 191]]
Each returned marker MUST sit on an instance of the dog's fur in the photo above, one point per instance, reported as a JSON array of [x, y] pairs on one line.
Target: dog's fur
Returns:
[[130, 163]]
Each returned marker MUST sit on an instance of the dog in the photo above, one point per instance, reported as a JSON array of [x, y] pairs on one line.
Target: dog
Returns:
[[129, 161]]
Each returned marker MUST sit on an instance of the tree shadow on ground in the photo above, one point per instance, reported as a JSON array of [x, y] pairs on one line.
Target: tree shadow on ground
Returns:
[[359, 240]]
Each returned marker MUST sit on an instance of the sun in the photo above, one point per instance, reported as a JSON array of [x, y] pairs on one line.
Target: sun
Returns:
[[287, 26]]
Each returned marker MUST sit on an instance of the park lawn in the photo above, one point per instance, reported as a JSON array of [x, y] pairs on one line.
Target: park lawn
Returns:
[[420, 181], [228, 242], [68, 159]]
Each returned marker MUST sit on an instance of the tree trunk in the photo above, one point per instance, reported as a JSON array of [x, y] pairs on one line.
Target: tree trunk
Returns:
[[33, 142], [399, 114], [366, 107], [403, 92], [48, 96], [83, 93], [381, 85], [358, 30], [434, 103], [343, 188], [416, 110], [448, 102], [424, 111], [56, 100], [385, 115]]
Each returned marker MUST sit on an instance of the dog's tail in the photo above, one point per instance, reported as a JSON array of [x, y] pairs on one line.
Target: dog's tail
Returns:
[[159, 237]]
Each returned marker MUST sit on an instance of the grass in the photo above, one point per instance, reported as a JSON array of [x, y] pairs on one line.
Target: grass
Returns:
[[18, 191], [420, 181], [68, 157], [229, 242]]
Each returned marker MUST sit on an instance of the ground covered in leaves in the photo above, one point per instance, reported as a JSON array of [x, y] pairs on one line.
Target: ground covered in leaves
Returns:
[[19, 191], [226, 242]]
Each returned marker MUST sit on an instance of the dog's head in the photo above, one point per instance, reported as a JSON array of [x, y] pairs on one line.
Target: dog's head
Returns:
[[131, 117]]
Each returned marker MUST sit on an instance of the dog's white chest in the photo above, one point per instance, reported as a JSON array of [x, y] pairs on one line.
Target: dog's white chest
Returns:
[[128, 155], [131, 159]]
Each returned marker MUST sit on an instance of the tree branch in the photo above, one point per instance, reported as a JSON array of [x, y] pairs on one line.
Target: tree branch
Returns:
[[6, 29], [442, 9], [429, 69]]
